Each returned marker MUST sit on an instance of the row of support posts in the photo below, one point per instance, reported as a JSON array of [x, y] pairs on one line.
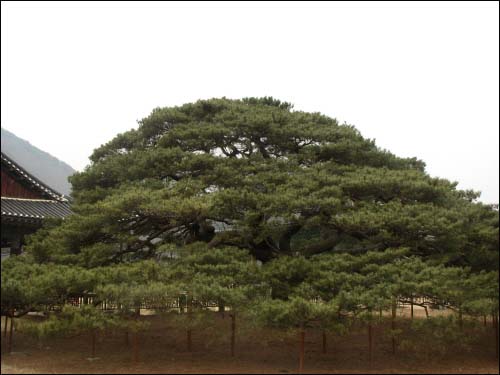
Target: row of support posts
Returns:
[[393, 327], [8, 330]]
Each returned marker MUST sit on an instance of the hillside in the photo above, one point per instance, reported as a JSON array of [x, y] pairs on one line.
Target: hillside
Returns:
[[47, 168]]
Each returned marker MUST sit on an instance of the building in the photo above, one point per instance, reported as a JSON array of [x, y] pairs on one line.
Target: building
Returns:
[[26, 203]]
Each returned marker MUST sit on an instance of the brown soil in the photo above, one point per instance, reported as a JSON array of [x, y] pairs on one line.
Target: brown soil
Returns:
[[163, 350]]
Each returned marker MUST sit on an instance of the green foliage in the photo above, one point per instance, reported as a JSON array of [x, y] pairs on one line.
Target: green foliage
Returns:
[[30, 286], [195, 320], [257, 175], [286, 218], [436, 336], [296, 312], [72, 321]]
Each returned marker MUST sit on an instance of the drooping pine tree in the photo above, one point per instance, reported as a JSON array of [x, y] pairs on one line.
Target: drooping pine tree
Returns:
[[184, 209], [255, 174]]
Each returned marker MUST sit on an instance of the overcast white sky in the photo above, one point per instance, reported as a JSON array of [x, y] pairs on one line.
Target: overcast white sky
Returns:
[[420, 78]]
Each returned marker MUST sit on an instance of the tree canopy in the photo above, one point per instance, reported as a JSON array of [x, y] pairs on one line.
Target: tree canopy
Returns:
[[258, 175]]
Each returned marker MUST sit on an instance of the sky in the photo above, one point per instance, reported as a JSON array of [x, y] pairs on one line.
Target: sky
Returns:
[[421, 78]]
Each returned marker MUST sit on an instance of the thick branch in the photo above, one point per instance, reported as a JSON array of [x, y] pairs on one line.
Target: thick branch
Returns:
[[321, 246], [226, 238], [264, 250], [285, 239], [262, 148]]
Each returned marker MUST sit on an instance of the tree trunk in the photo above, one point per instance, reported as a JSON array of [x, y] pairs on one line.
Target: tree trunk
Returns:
[[233, 333], [484, 320], [460, 319], [302, 335], [324, 342], [426, 312], [127, 342], [393, 327]]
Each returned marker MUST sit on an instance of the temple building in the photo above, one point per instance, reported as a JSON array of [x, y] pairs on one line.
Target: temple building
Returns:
[[26, 203]]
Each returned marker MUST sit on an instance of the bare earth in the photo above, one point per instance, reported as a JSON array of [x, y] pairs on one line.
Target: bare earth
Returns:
[[163, 350]]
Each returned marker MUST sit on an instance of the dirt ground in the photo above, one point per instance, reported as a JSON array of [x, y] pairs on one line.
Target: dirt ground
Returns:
[[163, 350]]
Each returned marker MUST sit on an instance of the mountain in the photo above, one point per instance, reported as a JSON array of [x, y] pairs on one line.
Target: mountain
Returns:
[[47, 168]]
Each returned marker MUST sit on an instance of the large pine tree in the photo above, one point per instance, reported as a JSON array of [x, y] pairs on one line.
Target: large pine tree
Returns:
[[258, 175], [175, 214]]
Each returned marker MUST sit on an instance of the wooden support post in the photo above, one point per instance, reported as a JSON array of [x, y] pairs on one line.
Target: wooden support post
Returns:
[[495, 325], [221, 309], [136, 336], [233, 332], [393, 327], [93, 342], [324, 342], [411, 307], [10, 333], [370, 342], [180, 303], [5, 326], [189, 312], [302, 335], [136, 346], [189, 345]]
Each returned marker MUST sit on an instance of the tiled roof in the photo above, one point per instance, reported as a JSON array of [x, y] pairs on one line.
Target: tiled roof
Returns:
[[32, 180], [18, 208]]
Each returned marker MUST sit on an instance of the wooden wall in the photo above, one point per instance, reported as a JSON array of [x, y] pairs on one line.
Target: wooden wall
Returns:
[[12, 188]]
